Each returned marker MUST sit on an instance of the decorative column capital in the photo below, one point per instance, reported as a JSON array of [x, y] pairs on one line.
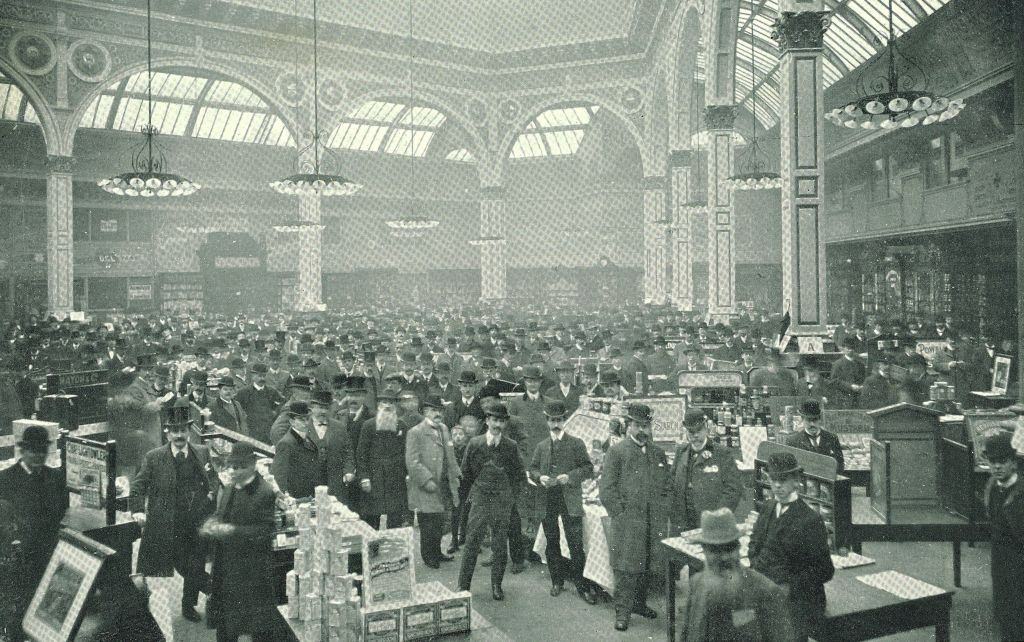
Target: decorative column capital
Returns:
[[680, 158], [720, 116], [654, 183], [801, 29], [60, 164]]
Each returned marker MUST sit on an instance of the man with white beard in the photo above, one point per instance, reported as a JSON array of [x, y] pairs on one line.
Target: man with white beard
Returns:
[[380, 464]]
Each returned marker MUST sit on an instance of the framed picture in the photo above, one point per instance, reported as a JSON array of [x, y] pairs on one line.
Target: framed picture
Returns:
[[1001, 374], [56, 609]]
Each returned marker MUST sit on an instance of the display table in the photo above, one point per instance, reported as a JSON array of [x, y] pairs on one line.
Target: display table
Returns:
[[481, 629], [925, 524], [598, 568], [855, 610], [990, 400]]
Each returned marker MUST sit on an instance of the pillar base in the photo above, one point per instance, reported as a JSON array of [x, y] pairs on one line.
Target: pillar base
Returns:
[[60, 315]]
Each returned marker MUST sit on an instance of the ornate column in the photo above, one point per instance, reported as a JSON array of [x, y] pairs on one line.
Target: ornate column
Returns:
[[679, 163], [309, 294], [60, 249], [1018, 127], [801, 134], [492, 244], [655, 239], [721, 211]]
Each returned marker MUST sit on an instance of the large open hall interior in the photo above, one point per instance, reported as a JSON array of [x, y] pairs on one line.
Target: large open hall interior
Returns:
[[491, 320]]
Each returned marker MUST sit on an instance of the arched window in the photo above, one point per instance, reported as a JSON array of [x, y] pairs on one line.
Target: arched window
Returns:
[[391, 127], [555, 132]]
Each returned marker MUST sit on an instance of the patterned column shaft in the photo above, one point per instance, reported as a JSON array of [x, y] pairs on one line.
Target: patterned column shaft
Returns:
[[682, 252], [309, 284], [59, 246], [722, 211], [655, 240], [492, 255], [801, 135]]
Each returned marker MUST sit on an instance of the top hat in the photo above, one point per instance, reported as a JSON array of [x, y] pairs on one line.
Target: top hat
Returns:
[[241, 454], [781, 464], [467, 376], [35, 438], [811, 409], [497, 410], [347, 355], [998, 447], [555, 410], [718, 527], [355, 383]]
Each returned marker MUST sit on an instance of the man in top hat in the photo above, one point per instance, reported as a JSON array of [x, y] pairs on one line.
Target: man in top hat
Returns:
[[704, 476], [634, 370], [433, 478], [225, 411], [727, 601], [298, 463], [468, 401], [789, 544], [260, 402], [815, 438], [566, 389], [175, 490], [635, 487], [380, 464], [559, 465], [37, 496], [242, 597], [1004, 502], [493, 472]]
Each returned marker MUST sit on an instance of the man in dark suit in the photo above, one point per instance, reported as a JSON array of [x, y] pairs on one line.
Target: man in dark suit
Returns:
[[815, 438], [847, 376], [789, 545], [297, 466], [565, 390], [380, 463], [558, 466], [175, 488], [635, 487], [878, 390], [704, 476], [1004, 504], [467, 403], [440, 382], [38, 498], [225, 411], [260, 402], [411, 380], [493, 472], [243, 600], [634, 370]]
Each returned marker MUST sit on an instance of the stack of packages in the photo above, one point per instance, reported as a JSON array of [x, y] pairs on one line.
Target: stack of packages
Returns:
[[433, 610], [321, 591]]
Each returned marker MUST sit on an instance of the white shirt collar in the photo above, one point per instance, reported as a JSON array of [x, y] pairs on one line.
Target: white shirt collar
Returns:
[[1011, 482], [565, 387], [533, 397], [557, 436], [175, 451], [25, 466], [780, 507], [245, 483], [493, 440]]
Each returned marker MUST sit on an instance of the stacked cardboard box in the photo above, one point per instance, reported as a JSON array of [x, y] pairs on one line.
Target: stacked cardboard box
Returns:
[[432, 611]]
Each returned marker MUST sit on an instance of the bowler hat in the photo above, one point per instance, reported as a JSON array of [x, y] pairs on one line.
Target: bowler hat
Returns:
[[694, 419], [298, 409], [433, 401], [718, 527], [998, 447], [227, 381], [610, 376], [356, 383], [260, 368], [322, 398], [443, 366], [640, 413], [408, 357], [565, 364], [301, 381], [555, 410], [781, 464], [467, 376], [590, 368], [241, 454], [488, 363], [811, 408], [35, 438], [532, 372], [237, 362], [497, 410]]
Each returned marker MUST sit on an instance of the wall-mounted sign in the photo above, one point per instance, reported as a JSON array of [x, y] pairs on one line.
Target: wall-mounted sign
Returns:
[[140, 291], [108, 225], [236, 262]]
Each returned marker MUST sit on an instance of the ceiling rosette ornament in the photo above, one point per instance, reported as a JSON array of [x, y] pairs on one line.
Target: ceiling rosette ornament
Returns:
[[291, 88], [32, 53], [509, 110], [332, 94], [89, 61], [632, 99], [476, 109]]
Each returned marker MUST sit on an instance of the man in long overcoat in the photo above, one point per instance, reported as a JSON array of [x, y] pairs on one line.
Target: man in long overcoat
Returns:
[[260, 402], [380, 464], [243, 598], [175, 485], [1004, 500], [433, 478], [635, 487], [704, 476]]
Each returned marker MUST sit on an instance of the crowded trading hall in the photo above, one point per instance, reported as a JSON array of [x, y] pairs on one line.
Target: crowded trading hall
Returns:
[[362, 321]]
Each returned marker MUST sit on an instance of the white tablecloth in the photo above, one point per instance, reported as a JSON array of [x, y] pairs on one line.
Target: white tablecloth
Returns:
[[598, 568]]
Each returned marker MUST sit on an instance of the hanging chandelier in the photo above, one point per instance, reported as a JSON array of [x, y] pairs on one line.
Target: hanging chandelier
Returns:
[[411, 225], [148, 176], [893, 101], [312, 179], [753, 173]]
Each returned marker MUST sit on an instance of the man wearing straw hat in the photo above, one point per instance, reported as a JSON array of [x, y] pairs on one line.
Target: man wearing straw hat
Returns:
[[728, 602], [790, 544]]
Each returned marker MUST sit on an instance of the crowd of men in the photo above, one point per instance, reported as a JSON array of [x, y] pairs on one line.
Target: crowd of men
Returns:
[[401, 414]]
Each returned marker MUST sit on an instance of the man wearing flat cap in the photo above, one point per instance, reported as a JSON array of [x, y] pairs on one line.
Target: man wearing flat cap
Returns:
[[1004, 501], [704, 476], [815, 438], [789, 544], [492, 475], [242, 598], [558, 467], [433, 478], [260, 402], [635, 488], [38, 498], [727, 601]]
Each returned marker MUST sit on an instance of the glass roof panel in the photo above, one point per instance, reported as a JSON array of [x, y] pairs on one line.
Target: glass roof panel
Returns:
[[555, 132], [528, 145], [461, 155], [388, 126], [422, 117], [13, 103]]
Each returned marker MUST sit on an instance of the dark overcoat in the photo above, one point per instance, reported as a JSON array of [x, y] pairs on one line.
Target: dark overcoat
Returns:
[[635, 490], [38, 508], [157, 485], [828, 445], [297, 465], [380, 457], [582, 468], [1007, 521], [714, 482]]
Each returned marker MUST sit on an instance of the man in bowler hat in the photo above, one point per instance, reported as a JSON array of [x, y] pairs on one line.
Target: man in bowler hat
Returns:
[[815, 438], [704, 476], [1004, 500]]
